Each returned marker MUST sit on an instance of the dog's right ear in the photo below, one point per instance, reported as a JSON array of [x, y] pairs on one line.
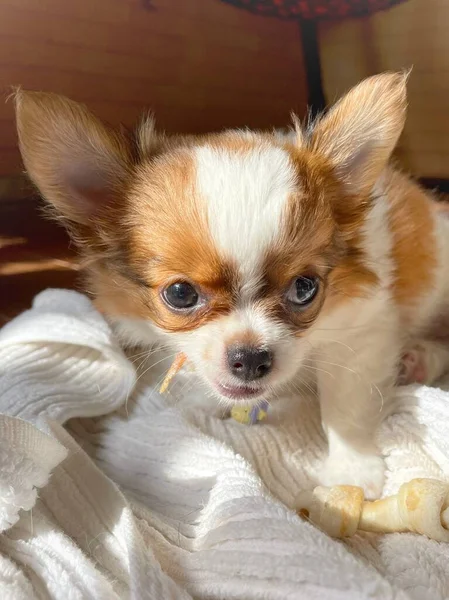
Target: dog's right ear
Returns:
[[359, 133], [79, 165]]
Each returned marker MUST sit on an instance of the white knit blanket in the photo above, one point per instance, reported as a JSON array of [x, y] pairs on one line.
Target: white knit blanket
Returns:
[[136, 499]]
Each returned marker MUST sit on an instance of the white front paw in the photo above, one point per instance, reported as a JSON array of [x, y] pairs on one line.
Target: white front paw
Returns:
[[365, 471]]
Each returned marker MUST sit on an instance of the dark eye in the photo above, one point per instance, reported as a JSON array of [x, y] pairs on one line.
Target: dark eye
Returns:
[[181, 295], [303, 290]]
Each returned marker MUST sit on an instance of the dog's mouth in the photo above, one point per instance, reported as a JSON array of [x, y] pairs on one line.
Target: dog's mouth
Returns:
[[239, 392]]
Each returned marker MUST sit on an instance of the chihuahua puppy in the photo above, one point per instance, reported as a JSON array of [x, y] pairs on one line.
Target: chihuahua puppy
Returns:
[[261, 256]]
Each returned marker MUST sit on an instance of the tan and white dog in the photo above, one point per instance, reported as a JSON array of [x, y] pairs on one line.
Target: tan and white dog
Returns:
[[261, 256]]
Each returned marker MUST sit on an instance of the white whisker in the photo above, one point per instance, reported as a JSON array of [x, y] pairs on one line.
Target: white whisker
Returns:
[[143, 373]]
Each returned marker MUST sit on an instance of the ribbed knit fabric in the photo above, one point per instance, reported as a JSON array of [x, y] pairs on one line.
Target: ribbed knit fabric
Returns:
[[147, 500]]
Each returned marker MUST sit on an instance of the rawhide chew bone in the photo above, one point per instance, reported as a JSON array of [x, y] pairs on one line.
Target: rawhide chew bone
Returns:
[[420, 506], [175, 367]]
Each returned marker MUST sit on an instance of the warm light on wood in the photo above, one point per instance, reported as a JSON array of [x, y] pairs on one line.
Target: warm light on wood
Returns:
[[33, 266]]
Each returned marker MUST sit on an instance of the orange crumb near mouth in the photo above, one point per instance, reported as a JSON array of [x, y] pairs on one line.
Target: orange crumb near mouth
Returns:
[[175, 367]]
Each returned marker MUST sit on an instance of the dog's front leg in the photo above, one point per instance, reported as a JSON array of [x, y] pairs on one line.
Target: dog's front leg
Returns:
[[355, 395]]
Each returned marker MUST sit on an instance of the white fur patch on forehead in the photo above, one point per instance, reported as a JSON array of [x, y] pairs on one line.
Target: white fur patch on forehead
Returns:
[[245, 191]]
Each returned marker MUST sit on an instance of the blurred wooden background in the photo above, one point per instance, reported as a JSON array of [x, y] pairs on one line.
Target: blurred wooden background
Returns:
[[199, 64], [413, 34]]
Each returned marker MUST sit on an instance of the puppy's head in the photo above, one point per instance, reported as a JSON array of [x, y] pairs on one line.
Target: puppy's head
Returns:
[[231, 246]]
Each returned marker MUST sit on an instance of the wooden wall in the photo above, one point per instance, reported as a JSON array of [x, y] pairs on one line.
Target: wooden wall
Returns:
[[413, 34], [200, 64]]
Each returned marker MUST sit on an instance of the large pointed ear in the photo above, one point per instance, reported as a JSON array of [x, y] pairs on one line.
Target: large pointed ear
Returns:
[[78, 164], [360, 132]]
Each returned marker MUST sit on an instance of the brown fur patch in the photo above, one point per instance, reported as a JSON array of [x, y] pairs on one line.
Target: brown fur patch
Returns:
[[320, 238], [414, 245], [167, 240]]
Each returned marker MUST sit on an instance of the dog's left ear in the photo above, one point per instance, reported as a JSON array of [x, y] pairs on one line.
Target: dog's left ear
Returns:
[[359, 133], [79, 164]]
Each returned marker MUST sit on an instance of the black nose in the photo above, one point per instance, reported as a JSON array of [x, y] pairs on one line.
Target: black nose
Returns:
[[248, 363]]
